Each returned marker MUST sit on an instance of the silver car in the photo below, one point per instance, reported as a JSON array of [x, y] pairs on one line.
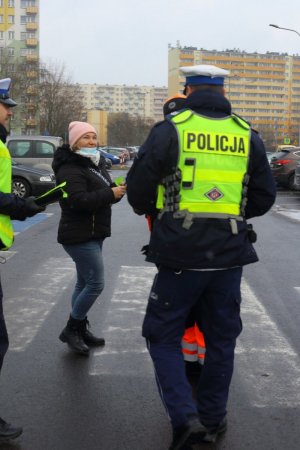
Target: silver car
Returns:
[[34, 151]]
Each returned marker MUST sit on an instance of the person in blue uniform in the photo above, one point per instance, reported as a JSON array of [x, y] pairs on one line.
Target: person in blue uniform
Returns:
[[203, 172], [11, 207]]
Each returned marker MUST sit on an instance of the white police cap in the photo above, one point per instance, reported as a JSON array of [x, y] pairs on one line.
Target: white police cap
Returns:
[[4, 92], [204, 74]]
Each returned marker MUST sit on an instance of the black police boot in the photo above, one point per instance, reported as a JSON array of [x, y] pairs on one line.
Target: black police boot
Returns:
[[71, 334], [187, 435], [89, 338], [7, 431], [214, 431]]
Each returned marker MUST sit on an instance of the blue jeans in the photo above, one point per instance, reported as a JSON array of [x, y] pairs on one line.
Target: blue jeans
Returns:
[[87, 257]]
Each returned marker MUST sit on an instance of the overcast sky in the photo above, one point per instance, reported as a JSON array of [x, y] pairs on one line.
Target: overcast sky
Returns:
[[126, 41]]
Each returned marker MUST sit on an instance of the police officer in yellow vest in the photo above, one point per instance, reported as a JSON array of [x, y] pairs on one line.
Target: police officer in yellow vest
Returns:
[[11, 207], [211, 174]]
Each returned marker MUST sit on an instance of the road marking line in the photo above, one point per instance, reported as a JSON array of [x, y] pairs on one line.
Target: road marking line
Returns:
[[26, 313], [262, 352], [22, 225], [123, 333]]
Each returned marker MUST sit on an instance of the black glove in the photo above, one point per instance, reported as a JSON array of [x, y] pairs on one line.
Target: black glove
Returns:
[[31, 208], [145, 250]]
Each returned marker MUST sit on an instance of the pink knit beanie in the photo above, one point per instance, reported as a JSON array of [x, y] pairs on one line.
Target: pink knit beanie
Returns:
[[77, 130]]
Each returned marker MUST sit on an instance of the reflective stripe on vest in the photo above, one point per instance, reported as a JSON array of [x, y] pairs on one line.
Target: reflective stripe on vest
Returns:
[[213, 162], [6, 229], [193, 345]]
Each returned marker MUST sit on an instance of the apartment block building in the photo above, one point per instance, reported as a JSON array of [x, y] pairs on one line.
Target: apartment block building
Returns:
[[262, 88], [19, 59], [145, 101], [98, 118]]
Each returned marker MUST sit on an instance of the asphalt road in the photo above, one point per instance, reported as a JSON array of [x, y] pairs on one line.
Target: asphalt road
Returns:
[[109, 400]]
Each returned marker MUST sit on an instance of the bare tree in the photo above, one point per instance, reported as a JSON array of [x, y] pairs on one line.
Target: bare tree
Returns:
[[268, 136], [60, 101], [125, 129]]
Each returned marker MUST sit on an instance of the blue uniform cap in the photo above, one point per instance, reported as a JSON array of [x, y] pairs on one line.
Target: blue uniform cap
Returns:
[[204, 74], [4, 93]]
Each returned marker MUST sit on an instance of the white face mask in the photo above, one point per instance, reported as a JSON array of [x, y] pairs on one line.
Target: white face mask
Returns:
[[92, 153]]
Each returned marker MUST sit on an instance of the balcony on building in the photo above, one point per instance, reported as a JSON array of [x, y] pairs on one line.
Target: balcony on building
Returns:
[[31, 58], [31, 90], [32, 74], [32, 10], [31, 26], [31, 123], [30, 106], [31, 42]]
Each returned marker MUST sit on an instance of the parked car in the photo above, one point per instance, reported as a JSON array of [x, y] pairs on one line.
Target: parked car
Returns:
[[37, 151], [28, 181], [133, 151], [271, 155], [297, 177], [120, 152], [34, 151], [283, 166], [108, 156]]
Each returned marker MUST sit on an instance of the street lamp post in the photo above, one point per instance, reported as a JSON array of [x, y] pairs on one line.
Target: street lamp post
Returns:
[[294, 31], [281, 28]]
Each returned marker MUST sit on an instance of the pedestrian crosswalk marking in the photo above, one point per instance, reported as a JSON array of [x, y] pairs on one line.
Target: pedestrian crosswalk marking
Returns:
[[26, 313], [124, 324], [263, 351]]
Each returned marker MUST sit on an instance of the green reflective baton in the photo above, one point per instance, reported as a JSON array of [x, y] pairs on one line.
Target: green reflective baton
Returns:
[[52, 196], [119, 180]]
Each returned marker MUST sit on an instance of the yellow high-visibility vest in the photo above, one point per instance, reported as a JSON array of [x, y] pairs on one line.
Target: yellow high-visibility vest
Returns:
[[6, 229], [211, 175]]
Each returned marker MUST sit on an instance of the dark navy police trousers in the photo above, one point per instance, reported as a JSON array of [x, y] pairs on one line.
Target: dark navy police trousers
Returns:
[[216, 297], [3, 331]]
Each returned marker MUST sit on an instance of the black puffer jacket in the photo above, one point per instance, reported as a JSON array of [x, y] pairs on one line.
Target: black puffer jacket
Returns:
[[86, 213], [209, 243]]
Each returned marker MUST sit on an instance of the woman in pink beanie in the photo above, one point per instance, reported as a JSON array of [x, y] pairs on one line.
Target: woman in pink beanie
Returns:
[[84, 224]]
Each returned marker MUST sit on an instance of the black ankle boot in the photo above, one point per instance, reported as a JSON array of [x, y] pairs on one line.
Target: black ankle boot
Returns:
[[71, 334], [88, 337]]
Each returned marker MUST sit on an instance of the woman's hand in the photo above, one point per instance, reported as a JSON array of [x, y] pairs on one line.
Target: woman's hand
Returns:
[[119, 191]]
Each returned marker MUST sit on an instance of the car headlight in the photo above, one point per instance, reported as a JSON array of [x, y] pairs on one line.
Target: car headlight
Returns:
[[46, 178]]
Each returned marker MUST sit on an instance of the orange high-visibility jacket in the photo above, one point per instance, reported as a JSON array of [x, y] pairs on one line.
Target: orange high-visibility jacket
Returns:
[[193, 345]]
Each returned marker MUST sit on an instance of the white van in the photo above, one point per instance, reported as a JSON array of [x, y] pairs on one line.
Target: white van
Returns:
[[34, 151]]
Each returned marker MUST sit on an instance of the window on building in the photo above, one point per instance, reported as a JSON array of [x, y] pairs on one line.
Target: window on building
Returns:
[[23, 36], [11, 35], [1, 18], [26, 3], [11, 19], [11, 3], [28, 19], [1, 3], [1, 35], [10, 51]]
